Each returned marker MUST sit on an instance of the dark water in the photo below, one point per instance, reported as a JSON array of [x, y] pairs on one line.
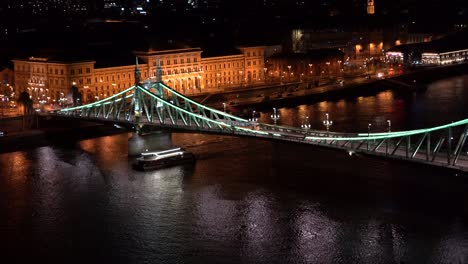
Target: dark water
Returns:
[[245, 200]]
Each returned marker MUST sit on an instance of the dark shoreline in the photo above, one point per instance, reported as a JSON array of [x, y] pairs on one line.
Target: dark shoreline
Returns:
[[65, 135]]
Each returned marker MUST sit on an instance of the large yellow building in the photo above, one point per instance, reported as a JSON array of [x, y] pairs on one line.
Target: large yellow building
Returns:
[[185, 70]]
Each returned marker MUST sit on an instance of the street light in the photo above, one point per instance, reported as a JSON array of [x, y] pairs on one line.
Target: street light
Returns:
[[224, 106], [289, 75], [310, 70], [275, 116], [241, 77], [368, 134], [327, 123], [306, 125], [253, 120], [339, 67], [265, 74], [218, 80], [386, 141]]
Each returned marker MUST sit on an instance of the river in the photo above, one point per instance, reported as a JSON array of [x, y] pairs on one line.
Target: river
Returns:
[[245, 200]]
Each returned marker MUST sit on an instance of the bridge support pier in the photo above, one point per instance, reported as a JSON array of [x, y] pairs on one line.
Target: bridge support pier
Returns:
[[153, 142]]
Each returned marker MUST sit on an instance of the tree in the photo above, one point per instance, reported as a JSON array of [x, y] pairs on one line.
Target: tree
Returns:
[[25, 102], [76, 95]]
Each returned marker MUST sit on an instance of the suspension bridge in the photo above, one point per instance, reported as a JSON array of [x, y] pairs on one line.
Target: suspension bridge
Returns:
[[156, 104]]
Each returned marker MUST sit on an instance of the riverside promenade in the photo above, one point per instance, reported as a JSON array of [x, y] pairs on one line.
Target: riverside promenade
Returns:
[[411, 81]]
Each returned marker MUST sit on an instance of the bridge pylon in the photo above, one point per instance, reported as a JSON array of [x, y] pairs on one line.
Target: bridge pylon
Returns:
[[137, 100]]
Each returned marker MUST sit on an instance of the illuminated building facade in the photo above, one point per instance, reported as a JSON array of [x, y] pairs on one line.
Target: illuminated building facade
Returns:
[[49, 81], [370, 7], [447, 50]]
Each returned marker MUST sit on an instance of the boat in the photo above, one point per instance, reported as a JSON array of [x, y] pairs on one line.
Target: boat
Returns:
[[163, 159]]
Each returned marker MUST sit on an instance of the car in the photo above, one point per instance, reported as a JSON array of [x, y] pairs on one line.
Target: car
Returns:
[[3, 133]]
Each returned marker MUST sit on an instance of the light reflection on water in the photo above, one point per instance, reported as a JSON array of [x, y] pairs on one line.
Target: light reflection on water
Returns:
[[442, 102], [244, 201]]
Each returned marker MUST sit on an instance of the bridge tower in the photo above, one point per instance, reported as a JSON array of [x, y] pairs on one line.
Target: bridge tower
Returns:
[[159, 79], [137, 96]]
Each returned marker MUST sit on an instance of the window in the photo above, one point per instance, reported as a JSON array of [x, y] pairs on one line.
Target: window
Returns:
[[181, 60], [248, 63], [248, 54], [56, 71], [88, 70], [188, 60], [72, 72], [194, 59], [254, 63], [175, 61], [168, 62], [80, 71], [254, 53], [61, 72]]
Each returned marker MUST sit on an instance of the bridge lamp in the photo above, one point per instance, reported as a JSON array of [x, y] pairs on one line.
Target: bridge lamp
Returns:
[[275, 116], [389, 125], [327, 122], [306, 125], [224, 106], [253, 119]]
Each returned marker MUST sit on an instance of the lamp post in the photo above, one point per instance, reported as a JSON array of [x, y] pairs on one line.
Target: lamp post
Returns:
[[328, 69], [275, 116], [3, 106], [306, 125], [253, 120], [289, 75], [327, 123], [389, 130], [218, 80], [224, 106], [265, 74], [241, 78], [368, 134], [339, 68], [310, 71]]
